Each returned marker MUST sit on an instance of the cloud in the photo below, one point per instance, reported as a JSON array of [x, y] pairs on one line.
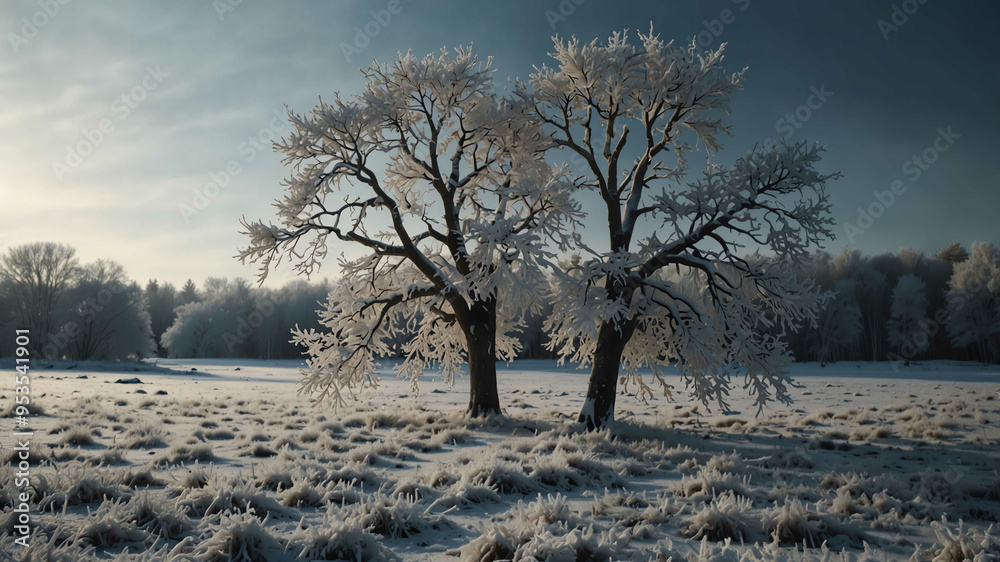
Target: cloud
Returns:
[[226, 78]]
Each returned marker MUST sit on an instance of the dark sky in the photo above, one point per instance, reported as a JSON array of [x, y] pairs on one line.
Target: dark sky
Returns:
[[199, 81]]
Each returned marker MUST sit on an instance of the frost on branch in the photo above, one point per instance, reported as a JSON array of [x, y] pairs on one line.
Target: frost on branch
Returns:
[[696, 273], [709, 337], [443, 186]]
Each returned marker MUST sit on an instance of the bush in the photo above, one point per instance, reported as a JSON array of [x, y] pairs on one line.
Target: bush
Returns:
[[239, 536], [110, 525], [339, 540], [723, 518]]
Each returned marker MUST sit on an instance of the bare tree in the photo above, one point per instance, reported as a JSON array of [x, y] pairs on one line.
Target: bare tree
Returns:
[[452, 232], [33, 277], [673, 285], [108, 316], [908, 317]]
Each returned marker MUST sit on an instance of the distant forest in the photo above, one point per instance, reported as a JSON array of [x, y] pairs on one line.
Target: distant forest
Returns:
[[896, 307]]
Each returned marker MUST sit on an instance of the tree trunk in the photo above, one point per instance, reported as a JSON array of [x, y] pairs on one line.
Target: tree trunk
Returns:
[[484, 399], [599, 407]]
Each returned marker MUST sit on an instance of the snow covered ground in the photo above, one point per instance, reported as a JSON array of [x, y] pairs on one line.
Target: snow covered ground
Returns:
[[220, 460]]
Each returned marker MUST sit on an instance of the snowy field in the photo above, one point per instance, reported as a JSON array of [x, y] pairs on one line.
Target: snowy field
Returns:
[[223, 460]]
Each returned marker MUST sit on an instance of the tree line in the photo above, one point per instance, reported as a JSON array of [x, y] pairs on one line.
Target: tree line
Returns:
[[95, 311], [905, 306], [896, 307]]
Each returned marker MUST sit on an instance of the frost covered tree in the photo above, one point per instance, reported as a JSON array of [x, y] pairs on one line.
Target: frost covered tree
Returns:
[[195, 332], [234, 319], [974, 302], [907, 319], [442, 187], [671, 283], [208, 327]]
